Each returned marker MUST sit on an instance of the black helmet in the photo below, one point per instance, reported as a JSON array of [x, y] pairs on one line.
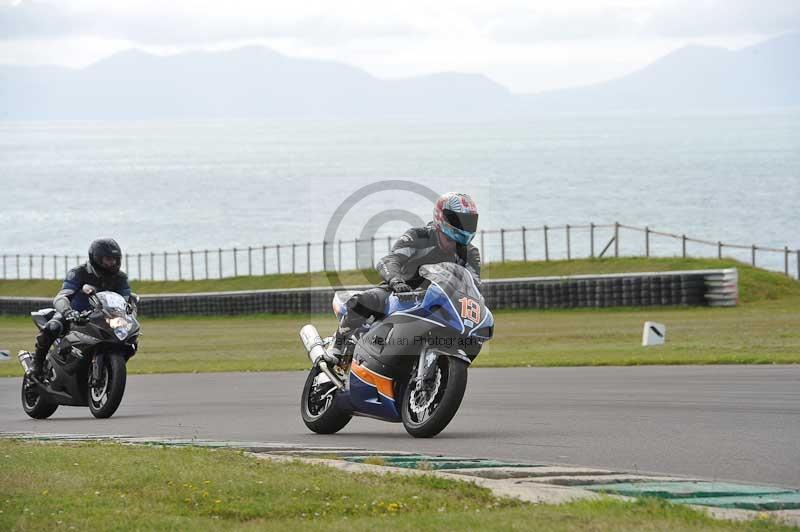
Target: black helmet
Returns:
[[105, 248]]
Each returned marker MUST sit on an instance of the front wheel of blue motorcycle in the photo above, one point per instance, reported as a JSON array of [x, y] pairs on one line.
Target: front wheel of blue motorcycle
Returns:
[[428, 407], [317, 405]]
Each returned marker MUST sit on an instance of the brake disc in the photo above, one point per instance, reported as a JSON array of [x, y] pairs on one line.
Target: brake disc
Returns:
[[419, 408]]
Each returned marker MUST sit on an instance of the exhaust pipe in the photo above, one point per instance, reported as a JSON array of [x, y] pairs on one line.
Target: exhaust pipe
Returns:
[[26, 360], [313, 344]]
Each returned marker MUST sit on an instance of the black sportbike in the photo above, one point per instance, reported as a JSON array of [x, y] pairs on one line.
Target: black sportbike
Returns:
[[87, 365]]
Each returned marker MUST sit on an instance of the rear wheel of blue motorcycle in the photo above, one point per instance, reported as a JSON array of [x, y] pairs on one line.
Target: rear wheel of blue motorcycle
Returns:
[[317, 405], [106, 394], [447, 396], [33, 403]]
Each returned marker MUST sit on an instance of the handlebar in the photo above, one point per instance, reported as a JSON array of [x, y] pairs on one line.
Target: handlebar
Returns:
[[80, 316]]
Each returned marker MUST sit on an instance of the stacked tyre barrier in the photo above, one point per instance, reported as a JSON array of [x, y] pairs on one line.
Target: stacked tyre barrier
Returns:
[[687, 288]]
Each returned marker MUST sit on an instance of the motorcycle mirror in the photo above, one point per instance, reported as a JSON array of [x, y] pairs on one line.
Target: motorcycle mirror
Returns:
[[89, 290]]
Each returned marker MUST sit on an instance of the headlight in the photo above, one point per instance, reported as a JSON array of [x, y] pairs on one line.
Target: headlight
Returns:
[[118, 322], [121, 326]]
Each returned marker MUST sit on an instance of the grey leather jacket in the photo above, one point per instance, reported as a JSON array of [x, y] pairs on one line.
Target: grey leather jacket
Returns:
[[420, 246]]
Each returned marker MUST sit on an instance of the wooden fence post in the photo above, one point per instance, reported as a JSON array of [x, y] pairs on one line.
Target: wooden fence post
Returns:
[[324, 256], [235, 264], [591, 239], [616, 239], [278, 256], [546, 246], [786, 260], [180, 270], [250, 261], [647, 242], [569, 251], [683, 246], [308, 257], [502, 245], [719, 249], [191, 263], [524, 246], [219, 263], [753, 255]]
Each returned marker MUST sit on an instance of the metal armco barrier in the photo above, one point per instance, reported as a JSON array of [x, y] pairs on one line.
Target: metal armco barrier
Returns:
[[688, 288]]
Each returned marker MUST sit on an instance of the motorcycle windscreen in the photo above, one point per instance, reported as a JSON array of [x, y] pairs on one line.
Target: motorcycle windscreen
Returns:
[[113, 303]]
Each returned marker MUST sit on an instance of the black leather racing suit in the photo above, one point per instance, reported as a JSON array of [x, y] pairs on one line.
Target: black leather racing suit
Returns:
[[71, 297], [417, 247]]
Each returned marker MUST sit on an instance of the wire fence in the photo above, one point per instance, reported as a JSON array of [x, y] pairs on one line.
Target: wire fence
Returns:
[[497, 245]]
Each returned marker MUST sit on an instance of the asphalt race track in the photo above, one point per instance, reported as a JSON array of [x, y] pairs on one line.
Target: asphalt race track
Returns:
[[717, 422]]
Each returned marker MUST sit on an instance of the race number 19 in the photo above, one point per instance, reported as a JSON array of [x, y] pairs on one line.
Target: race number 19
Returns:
[[470, 309]]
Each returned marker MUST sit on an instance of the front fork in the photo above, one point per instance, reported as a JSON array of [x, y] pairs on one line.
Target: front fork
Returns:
[[426, 367], [98, 362]]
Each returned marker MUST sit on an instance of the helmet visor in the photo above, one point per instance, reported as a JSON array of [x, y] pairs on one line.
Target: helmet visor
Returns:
[[466, 221], [111, 264]]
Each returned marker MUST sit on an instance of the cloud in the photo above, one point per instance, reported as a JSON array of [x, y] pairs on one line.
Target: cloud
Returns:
[[699, 18], [37, 19], [533, 26], [666, 19], [204, 22]]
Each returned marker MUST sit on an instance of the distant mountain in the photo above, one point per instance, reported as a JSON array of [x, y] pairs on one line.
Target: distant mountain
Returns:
[[247, 82], [694, 77], [259, 82]]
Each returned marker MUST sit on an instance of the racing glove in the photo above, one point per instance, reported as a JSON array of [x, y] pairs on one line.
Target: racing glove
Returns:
[[74, 316], [399, 286]]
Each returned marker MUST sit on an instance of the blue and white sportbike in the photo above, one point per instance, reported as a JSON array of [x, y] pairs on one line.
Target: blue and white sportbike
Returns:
[[410, 366]]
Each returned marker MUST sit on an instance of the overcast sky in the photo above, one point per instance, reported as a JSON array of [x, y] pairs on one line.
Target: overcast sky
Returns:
[[527, 45]]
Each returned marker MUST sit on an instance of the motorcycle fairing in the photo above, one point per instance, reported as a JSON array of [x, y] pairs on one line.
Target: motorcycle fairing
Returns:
[[372, 394]]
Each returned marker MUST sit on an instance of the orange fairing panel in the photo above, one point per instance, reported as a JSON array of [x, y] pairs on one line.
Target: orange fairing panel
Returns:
[[384, 385]]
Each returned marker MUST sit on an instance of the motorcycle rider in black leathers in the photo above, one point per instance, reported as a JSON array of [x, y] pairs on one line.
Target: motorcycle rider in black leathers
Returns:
[[446, 239], [102, 271]]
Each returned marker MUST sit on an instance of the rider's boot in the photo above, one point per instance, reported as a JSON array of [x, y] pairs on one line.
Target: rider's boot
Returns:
[[37, 362], [333, 354]]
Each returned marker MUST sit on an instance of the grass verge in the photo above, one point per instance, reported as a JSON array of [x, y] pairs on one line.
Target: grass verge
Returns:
[[764, 332], [101, 486], [755, 284]]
